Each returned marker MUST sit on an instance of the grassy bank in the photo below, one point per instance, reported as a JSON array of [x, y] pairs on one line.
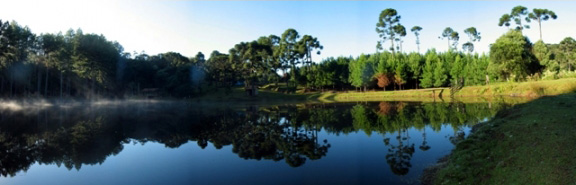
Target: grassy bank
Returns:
[[488, 93], [414, 95], [531, 143], [523, 89], [512, 89]]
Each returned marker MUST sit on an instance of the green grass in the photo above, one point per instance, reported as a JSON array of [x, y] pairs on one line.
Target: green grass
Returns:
[[379, 95], [511, 89], [524, 89], [531, 143], [279, 94]]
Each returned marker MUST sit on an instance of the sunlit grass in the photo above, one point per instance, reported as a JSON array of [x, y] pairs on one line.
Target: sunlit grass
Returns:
[[512, 89], [272, 93], [526, 89]]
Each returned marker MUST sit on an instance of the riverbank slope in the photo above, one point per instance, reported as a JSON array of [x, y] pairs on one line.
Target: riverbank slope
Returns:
[[531, 143]]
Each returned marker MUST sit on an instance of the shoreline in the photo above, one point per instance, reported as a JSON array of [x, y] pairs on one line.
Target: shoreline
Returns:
[[504, 89], [517, 92], [529, 143]]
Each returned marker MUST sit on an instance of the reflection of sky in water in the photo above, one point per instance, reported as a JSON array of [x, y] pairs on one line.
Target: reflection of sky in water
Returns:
[[353, 158]]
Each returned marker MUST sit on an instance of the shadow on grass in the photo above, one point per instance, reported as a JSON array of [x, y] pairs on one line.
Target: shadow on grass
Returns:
[[529, 143]]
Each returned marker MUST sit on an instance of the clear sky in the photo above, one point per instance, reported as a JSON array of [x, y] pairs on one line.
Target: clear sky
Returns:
[[344, 28]]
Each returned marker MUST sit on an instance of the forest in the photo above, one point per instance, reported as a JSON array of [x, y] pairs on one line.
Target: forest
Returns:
[[86, 65]]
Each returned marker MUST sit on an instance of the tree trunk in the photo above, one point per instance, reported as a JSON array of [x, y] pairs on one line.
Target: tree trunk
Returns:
[[418, 43], [284, 75], [39, 85], [392, 41], [28, 88], [46, 84], [68, 86], [540, 28], [61, 83], [92, 87], [12, 85]]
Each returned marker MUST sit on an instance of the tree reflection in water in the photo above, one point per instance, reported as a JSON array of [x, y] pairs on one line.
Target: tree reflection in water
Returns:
[[395, 118], [87, 135]]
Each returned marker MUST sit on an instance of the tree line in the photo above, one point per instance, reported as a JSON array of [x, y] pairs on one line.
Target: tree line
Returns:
[[75, 64]]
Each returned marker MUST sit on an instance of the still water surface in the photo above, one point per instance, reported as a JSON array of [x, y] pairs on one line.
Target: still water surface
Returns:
[[142, 142]]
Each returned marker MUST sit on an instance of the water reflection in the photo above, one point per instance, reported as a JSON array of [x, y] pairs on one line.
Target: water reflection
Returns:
[[395, 118], [77, 135]]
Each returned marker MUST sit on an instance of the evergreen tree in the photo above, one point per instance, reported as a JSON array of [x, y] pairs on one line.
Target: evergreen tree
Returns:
[[440, 76], [511, 56], [428, 69], [543, 55], [400, 74], [361, 72], [415, 63], [457, 71]]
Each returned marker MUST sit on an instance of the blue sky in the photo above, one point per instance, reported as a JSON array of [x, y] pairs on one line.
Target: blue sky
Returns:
[[344, 27]]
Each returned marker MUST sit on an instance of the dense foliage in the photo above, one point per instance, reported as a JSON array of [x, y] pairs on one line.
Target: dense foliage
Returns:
[[74, 64]]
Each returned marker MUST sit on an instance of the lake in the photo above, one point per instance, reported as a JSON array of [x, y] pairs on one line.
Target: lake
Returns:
[[164, 142]]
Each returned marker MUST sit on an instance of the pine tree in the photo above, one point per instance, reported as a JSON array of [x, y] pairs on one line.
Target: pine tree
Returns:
[[457, 70], [440, 76], [428, 70]]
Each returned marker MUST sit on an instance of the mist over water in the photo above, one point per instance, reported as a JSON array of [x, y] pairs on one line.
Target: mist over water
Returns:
[[24, 105], [37, 104]]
